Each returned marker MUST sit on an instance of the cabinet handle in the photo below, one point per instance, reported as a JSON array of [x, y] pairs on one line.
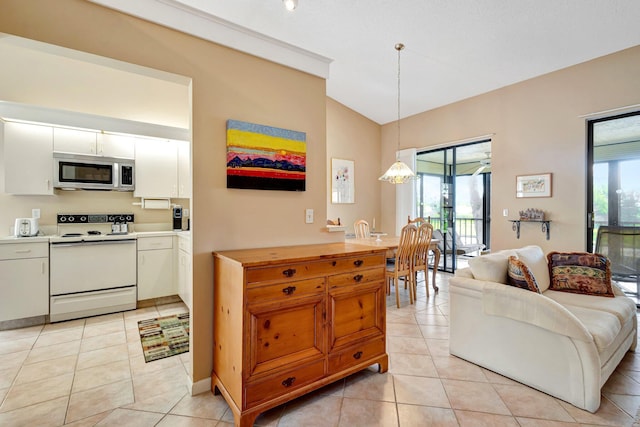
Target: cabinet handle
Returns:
[[357, 355], [23, 251], [288, 382], [358, 262], [42, 264], [47, 183], [289, 290], [289, 272], [358, 277]]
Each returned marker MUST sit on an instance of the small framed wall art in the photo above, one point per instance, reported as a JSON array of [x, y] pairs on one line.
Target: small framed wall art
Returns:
[[533, 185], [342, 181]]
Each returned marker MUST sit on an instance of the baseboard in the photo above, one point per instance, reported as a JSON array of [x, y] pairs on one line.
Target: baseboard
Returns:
[[200, 386]]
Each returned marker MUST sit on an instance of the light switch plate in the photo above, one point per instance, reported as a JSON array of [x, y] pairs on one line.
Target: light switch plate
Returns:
[[309, 216]]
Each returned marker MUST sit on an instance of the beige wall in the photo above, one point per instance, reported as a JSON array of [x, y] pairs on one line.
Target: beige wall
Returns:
[[352, 136], [538, 128], [226, 84]]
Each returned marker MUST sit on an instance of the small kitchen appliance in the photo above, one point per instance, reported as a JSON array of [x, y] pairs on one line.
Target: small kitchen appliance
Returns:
[[25, 227], [177, 218]]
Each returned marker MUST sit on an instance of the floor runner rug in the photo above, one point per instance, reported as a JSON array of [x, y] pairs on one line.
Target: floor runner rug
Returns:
[[164, 336]]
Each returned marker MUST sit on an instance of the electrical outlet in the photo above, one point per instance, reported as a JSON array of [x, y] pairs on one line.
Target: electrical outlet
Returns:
[[309, 216], [505, 212], [35, 213]]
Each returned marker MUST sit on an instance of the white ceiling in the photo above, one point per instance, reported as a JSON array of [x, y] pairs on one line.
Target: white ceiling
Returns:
[[455, 49]]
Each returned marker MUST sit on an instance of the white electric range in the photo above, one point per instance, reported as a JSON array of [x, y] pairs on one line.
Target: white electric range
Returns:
[[92, 270]]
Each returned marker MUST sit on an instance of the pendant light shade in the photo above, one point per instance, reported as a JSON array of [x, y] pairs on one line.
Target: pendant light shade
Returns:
[[399, 172]]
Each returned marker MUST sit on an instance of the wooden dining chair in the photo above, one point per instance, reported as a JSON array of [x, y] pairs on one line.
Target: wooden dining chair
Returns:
[[421, 255], [418, 220], [361, 228], [401, 268]]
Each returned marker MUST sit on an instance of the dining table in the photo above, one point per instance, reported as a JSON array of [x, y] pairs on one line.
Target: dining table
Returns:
[[381, 240]]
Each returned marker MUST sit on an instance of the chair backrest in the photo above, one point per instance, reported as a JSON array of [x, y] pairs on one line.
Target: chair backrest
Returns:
[[622, 246], [406, 247], [421, 253], [361, 228], [417, 221]]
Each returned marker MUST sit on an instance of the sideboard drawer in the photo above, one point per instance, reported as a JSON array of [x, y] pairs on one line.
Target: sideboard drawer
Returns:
[[285, 290], [289, 272], [283, 383], [356, 277], [353, 355]]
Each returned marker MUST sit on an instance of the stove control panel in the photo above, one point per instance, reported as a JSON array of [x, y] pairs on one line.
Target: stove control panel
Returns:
[[95, 218]]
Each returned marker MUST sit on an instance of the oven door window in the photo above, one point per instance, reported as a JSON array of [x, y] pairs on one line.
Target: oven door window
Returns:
[[86, 173]]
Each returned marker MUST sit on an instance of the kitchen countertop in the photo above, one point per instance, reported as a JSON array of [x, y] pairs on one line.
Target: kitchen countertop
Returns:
[[135, 235]]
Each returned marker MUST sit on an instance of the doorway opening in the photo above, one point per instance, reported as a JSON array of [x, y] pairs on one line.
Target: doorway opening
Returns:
[[453, 190], [613, 196]]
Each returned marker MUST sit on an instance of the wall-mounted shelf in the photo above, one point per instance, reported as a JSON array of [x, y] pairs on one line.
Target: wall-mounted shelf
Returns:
[[544, 225]]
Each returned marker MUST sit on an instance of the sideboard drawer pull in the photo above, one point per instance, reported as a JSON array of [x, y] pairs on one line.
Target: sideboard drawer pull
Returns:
[[358, 262], [288, 382], [357, 355], [358, 277], [289, 290], [289, 272]]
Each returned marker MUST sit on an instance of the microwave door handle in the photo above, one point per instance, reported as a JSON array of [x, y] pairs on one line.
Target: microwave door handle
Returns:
[[116, 174]]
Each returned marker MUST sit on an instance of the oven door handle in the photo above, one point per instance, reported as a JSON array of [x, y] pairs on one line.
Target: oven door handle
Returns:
[[93, 243]]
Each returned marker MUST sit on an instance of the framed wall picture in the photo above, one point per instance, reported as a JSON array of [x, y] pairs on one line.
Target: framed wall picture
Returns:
[[342, 181], [533, 185]]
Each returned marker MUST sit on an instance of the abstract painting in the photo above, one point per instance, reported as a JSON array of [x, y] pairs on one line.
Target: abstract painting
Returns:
[[265, 158]]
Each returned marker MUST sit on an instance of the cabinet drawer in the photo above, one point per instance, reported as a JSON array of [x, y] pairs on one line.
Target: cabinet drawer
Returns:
[[159, 242], [355, 355], [285, 290], [24, 250], [313, 269], [282, 383], [184, 243], [356, 277]]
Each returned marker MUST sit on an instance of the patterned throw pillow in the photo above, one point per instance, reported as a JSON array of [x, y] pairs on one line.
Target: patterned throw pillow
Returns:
[[520, 276], [580, 273]]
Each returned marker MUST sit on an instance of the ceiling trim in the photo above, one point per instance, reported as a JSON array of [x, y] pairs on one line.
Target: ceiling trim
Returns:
[[175, 15]]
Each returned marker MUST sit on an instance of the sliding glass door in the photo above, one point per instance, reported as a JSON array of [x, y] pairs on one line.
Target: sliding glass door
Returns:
[[453, 190]]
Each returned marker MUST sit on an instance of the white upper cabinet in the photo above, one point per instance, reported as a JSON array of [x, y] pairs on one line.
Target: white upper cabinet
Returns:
[[184, 169], [156, 168], [93, 143], [28, 159]]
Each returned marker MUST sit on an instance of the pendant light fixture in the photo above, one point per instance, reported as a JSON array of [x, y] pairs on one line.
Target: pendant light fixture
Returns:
[[399, 172]]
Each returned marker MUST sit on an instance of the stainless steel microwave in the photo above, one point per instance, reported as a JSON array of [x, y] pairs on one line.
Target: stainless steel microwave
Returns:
[[76, 171]]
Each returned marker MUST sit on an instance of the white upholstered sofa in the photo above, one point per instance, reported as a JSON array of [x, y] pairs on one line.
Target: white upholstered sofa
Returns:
[[564, 344]]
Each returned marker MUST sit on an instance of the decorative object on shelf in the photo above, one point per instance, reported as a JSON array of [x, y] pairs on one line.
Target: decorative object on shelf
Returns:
[[533, 185], [333, 222], [342, 181], [265, 158], [399, 172], [532, 215]]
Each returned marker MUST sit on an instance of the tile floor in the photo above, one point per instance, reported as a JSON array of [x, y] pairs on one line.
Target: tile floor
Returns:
[[91, 372]]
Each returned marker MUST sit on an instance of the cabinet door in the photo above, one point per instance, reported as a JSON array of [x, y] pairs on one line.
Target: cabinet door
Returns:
[[283, 334], [116, 146], [184, 169], [184, 277], [74, 141], [155, 274], [24, 286], [156, 168], [28, 159], [356, 313]]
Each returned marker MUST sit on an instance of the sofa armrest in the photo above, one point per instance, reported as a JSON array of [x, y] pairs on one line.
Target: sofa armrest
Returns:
[[533, 308]]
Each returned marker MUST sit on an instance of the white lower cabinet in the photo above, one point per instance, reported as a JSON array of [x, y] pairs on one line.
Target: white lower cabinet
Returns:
[[185, 279], [24, 280], [156, 267]]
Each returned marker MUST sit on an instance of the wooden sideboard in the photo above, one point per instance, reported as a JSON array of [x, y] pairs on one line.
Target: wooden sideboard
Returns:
[[289, 320]]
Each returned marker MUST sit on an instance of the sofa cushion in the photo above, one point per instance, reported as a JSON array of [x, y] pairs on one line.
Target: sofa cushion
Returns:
[[534, 258], [492, 267], [580, 272], [603, 326], [519, 275], [620, 306]]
